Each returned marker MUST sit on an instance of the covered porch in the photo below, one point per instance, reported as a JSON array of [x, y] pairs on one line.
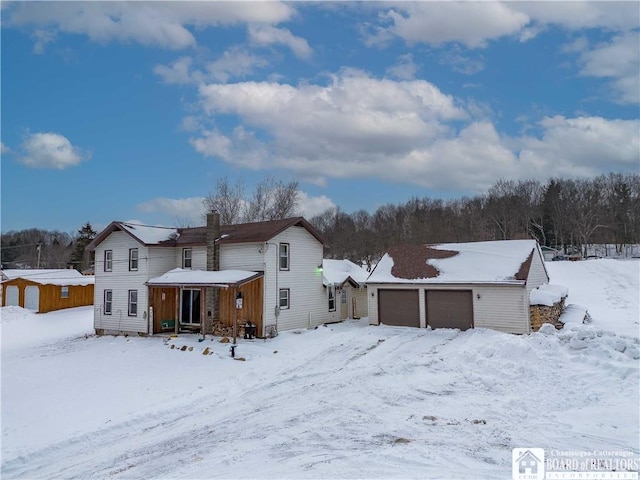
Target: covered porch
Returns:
[[194, 300]]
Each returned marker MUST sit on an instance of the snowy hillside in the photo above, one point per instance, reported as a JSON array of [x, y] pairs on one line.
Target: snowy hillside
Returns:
[[342, 401]]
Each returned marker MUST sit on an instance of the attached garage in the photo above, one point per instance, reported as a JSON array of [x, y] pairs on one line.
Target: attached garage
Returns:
[[457, 285], [449, 309], [399, 307]]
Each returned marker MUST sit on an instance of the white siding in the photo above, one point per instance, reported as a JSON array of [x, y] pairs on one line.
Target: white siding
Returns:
[[538, 272], [504, 308], [198, 257], [308, 298], [362, 299], [120, 280], [500, 307], [244, 256]]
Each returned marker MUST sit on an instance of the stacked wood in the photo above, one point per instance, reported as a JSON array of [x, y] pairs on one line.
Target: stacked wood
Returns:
[[541, 314], [222, 330]]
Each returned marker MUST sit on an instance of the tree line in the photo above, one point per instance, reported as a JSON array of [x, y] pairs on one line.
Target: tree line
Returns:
[[560, 213]]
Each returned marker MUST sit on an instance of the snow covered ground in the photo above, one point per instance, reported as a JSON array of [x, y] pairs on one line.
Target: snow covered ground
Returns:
[[342, 401]]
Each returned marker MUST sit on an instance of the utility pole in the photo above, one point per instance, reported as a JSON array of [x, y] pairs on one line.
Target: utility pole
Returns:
[[39, 248]]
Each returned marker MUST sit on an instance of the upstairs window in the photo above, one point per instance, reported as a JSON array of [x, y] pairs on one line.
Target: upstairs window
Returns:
[[186, 258], [108, 260], [133, 259], [284, 256]]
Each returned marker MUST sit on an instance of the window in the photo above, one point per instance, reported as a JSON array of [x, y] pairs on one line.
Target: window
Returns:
[[133, 303], [108, 300], [284, 256], [190, 306], [343, 296], [332, 298], [133, 259], [64, 292], [186, 258], [284, 298], [108, 260]]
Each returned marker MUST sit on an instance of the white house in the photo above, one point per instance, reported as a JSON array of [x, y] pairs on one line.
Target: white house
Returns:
[[346, 289], [154, 279], [457, 285]]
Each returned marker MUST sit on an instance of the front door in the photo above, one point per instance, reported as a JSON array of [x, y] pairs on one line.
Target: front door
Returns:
[[190, 307]]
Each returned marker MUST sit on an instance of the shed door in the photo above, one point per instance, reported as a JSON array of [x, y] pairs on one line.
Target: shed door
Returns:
[[449, 309], [399, 307], [32, 298], [12, 296]]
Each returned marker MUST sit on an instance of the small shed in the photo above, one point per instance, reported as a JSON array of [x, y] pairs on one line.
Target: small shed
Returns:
[[46, 290], [457, 285], [346, 290]]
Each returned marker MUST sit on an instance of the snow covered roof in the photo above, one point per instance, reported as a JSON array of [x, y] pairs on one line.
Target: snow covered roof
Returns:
[[62, 276], [547, 294], [170, 237], [220, 278], [503, 261], [337, 272]]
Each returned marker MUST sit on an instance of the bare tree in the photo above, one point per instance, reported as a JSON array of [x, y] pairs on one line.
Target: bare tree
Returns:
[[228, 200], [272, 200]]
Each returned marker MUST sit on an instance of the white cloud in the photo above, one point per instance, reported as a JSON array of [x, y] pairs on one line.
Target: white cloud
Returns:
[[235, 62], [357, 126], [618, 60], [179, 72], [577, 15], [4, 149], [405, 69], [190, 209], [163, 24], [436, 23], [461, 63], [310, 206], [583, 146], [269, 35], [50, 150]]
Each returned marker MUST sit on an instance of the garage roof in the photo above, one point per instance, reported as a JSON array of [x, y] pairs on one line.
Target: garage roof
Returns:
[[503, 261]]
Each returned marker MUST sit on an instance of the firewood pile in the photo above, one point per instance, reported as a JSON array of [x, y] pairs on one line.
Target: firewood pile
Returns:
[[541, 314]]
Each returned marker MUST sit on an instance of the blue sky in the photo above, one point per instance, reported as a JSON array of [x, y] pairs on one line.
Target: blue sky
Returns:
[[121, 111]]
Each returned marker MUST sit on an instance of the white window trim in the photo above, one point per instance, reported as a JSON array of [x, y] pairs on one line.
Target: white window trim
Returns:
[[184, 258], [281, 291], [331, 297]]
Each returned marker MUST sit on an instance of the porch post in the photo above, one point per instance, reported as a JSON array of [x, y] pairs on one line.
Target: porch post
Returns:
[[177, 325]]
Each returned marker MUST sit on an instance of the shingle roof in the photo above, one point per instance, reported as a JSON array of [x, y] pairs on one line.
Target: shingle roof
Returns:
[[503, 261], [171, 237]]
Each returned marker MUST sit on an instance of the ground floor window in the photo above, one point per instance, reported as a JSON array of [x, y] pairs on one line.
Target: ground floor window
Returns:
[[133, 303], [284, 298], [64, 292], [190, 306], [108, 301], [332, 298]]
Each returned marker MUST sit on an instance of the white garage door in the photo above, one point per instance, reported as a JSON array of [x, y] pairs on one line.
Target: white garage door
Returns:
[[32, 298], [12, 296]]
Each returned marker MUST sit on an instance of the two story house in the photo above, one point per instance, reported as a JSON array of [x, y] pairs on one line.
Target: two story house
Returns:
[[154, 279]]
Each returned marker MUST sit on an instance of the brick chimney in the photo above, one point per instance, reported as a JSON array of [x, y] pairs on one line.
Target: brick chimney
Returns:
[[213, 264]]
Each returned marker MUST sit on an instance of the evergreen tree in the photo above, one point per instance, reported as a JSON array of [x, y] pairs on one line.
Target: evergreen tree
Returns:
[[80, 258]]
